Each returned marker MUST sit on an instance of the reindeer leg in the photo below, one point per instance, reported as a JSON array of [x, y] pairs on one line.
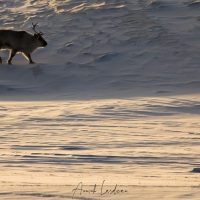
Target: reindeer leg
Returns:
[[12, 54], [28, 55]]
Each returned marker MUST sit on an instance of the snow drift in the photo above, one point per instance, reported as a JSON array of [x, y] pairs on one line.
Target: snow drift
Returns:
[[127, 72]]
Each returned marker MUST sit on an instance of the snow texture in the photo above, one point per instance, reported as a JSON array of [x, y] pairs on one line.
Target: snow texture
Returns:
[[113, 99]]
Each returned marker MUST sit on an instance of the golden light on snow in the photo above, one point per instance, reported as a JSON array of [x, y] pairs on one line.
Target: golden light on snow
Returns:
[[113, 98], [143, 134], [59, 6]]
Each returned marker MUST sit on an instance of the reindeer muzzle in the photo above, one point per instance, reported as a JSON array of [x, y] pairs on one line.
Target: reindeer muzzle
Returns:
[[45, 43]]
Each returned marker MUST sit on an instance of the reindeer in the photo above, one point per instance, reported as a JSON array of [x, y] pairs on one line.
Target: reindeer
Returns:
[[22, 42]]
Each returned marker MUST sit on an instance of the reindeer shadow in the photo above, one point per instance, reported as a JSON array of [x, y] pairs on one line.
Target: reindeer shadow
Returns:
[[37, 71]]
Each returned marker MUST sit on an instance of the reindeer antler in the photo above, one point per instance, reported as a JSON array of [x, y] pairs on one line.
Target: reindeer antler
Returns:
[[34, 25]]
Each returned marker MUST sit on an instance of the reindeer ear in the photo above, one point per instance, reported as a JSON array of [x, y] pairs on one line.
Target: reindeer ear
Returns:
[[35, 35]]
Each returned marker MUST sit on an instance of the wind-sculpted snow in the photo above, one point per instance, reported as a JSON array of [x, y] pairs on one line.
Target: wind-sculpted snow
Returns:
[[105, 48], [148, 143], [111, 108]]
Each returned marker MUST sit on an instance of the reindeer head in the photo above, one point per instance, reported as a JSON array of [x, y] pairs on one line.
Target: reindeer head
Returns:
[[38, 36]]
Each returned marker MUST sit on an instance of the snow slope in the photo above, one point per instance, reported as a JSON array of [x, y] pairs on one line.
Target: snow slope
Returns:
[[113, 99], [104, 49]]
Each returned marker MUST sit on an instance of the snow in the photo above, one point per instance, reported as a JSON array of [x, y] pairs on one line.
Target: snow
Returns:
[[113, 99]]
